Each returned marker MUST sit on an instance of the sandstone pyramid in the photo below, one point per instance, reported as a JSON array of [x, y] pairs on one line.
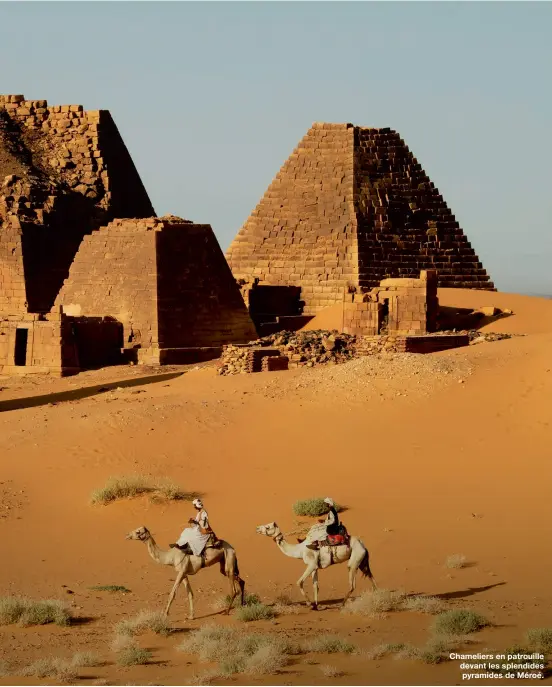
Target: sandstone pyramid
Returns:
[[351, 206], [64, 172], [165, 280]]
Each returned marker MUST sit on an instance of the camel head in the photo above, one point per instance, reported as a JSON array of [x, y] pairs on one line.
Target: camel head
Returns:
[[142, 534], [270, 530]]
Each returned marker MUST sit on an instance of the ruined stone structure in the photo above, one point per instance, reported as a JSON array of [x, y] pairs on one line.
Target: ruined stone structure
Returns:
[[154, 287], [395, 307], [351, 206]]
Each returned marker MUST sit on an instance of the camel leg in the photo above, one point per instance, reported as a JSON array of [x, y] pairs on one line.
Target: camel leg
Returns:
[[301, 581], [190, 593], [315, 589], [352, 582], [180, 576]]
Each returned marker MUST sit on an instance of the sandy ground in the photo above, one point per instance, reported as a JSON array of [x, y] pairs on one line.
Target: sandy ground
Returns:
[[433, 456]]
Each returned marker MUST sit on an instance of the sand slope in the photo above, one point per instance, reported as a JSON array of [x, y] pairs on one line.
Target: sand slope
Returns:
[[433, 455]]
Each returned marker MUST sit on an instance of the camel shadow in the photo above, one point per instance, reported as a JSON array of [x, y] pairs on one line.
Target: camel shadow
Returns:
[[470, 591]]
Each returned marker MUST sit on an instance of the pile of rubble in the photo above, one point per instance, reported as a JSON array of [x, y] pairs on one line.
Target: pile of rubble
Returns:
[[319, 347]]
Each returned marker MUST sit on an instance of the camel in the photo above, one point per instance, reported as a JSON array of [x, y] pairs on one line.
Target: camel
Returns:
[[188, 564], [355, 553]]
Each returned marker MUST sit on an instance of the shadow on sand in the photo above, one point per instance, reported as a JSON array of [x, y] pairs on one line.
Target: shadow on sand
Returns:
[[85, 392]]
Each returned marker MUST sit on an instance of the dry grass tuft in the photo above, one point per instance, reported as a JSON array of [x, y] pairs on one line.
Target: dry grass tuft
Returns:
[[222, 602], [238, 652], [424, 604], [456, 561], [313, 507], [330, 644], [458, 622], [206, 678], [133, 656], [254, 612], [376, 602], [540, 639], [135, 485], [331, 671], [155, 621], [18, 610], [284, 605], [4, 669]]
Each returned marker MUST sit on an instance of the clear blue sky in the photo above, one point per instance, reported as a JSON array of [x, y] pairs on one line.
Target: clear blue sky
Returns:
[[211, 98]]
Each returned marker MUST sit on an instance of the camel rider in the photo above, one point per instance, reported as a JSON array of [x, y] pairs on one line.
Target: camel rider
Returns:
[[331, 525], [195, 538]]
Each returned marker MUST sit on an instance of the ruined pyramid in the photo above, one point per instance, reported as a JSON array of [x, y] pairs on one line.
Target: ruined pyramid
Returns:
[[351, 206]]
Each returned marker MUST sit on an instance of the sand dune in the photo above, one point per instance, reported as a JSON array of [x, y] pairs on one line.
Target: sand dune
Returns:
[[433, 456]]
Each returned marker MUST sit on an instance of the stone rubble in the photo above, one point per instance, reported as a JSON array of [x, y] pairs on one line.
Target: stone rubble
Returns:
[[323, 347]]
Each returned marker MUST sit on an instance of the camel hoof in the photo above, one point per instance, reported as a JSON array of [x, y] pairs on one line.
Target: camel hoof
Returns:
[[314, 607]]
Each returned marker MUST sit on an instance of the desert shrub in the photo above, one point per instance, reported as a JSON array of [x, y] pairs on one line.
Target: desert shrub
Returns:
[[382, 650], [458, 622], [122, 641], [4, 669], [238, 652], [206, 678], [424, 604], [85, 659], [113, 588], [54, 668], [330, 644], [266, 660], [134, 485], [23, 611], [435, 651], [456, 561], [313, 507], [540, 639], [133, 656], [156, 621], [331, 671], [256, 611], [375, 602]]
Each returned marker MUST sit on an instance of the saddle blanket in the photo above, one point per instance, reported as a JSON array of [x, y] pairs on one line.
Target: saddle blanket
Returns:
[[336, 540]]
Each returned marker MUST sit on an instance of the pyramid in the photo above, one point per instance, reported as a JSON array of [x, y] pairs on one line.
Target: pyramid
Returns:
[[350, 207], [64, 172], [165, 280]]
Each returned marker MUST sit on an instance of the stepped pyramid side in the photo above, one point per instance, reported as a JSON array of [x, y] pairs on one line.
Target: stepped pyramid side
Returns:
[[350, 207], [404, 224], [64, 171], [303, 231]]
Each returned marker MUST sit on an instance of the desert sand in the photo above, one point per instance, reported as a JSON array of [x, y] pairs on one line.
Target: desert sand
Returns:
[[432, 455]]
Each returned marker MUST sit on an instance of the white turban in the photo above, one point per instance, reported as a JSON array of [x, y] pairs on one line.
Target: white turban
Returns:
[[329, 501], [197, 503]]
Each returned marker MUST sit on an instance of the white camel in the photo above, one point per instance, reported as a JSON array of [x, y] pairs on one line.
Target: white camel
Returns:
[[355, 553], [188, 564]]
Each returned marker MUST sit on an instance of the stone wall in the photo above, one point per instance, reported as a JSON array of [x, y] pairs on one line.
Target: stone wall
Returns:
[[165, 280], [48, 346], [396, 306], [350, 207], [64, 172]]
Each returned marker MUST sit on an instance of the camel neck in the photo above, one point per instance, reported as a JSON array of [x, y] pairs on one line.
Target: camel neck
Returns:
[[293, 551], [158, 555]]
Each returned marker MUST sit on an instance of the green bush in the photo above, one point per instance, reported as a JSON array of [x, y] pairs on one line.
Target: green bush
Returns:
[[459, 622], [313, 507]]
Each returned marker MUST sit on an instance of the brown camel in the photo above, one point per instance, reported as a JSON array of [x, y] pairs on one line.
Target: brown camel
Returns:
[[188, 564]]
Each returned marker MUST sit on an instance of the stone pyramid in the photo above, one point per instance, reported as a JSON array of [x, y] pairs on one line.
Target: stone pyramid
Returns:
[[352, 206]]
